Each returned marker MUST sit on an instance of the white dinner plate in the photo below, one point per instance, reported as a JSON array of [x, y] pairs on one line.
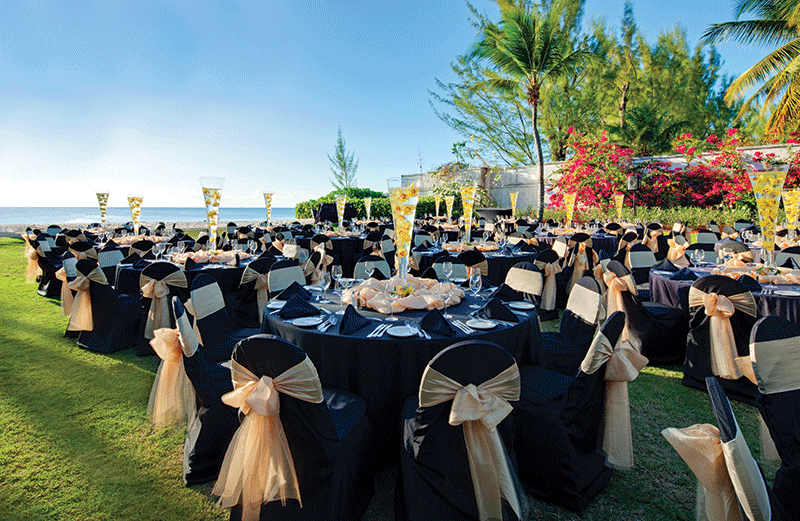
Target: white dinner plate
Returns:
[[276, 304], [401, 331], [308, 321], [480, 323], [521, 305], [662, 272], [458, 281], [787, 293]]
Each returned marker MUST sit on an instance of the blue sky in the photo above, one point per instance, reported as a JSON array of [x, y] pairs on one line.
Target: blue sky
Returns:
[[145, 97]]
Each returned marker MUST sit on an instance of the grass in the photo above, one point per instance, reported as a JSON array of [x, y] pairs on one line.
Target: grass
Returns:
[[75, 443]]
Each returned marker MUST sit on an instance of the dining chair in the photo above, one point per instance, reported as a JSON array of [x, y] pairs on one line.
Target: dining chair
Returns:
[[158, 283], [282, 274]]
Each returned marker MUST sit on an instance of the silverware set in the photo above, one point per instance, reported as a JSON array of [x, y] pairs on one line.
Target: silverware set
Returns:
[[463, 327], [327, 324], [380, 330]]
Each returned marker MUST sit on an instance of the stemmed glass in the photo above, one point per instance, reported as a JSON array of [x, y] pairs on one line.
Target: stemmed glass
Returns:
[[369, 267], [323, 282], [698, 256], [447, 270], [341, 289], [475, 285], [392, 297]]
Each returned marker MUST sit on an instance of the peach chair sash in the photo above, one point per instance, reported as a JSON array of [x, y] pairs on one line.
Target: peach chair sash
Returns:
[[32, 271], [157, 290], [615, 287], [66, 294], [623, 364], [549, 293], [677, 253], [651, 239], [719, 309], [172, 398], [315, 271], [258, 465], [479, 410], [261, 287], [81, 313]]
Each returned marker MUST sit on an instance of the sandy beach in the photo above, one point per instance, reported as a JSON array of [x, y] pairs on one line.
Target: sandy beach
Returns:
[[14, 230]]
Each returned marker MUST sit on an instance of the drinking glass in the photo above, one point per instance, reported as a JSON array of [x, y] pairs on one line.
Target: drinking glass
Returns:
[[392, 297], [336, 273], [475, 285], [341, 289], [447, 270], [323, 282], [369, 266]]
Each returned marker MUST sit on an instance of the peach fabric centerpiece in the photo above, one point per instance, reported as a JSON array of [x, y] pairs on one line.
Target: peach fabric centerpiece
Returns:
[[480, 246], [419, 294], [209, 257]]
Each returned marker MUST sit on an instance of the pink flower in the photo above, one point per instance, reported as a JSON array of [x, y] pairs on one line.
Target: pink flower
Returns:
[[793, 141], [731, 131], [680, 149], [571, 130], [712, 138]]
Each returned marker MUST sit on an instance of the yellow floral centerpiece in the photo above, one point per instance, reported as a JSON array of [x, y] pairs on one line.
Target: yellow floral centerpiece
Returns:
[[467, 202], [404, 208], [437, 198], [368, 206], [102, 200], [268, 204], [341, 199], [448, 201], [618, 200], [513, 196], [791, 205], [212, 192], [767, 188], [569, 205], [135, 204]]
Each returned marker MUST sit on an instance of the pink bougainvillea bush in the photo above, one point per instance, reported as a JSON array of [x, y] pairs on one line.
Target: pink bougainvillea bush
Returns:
[[714, 174]]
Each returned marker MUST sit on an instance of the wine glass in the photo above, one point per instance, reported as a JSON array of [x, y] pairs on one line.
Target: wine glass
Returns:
[[392, 297], [475, 285], [341, 289], [486, 235], [323, 282], [369, 267], [447, 270], [336, 273], [697, 257]]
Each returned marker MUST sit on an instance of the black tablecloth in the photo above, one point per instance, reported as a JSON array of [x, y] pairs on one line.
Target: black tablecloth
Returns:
[[498, 265], [227, 277], [345, 247], [666, 291], [599, 242], [386, 370]]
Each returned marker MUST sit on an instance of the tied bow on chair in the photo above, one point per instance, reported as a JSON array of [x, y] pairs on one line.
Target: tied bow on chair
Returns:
[[261, 286], [651, 240], [157, 290], [315, 270], [732, 236], [172, 398], [81, 314], [66, 294], [550, 290], [258, 465], [623, 365], [579, 261], [32, 270], [677, 253], [615, 287], [91, 253], [479, 410], [719, 309]]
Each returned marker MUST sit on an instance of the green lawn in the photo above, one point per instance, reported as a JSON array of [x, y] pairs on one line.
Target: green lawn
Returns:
[[75, 443]]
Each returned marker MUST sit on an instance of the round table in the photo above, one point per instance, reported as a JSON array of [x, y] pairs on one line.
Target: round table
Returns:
[[599, 242], [227, 277], [499, 264], [675, 293], [386, 370], [345, 247]]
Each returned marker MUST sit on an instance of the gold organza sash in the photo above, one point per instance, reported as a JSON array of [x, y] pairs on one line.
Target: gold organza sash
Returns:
[[159, 314], [258, 465], [677, 253], [550, 288], [719, 309], [66, 294], [32, 271], [615, 287], [81, 314], [172, 398], [261, 286], [700, 447], [580, 263], [651, 240], [479, 410], [91, 253], [623, 365], [315, 271]]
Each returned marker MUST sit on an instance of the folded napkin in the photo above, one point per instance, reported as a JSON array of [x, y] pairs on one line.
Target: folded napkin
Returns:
[[352, 321], [226, 247], [434, 322], [524, 246], [294, 289], [141, 264], [297, 307], [791, 263], [191, 265], [750, 283], [507, 293], [133, 258], [188, 249], [665, 265], [377, 275], [683, 274], [267, 255], [495, 309]]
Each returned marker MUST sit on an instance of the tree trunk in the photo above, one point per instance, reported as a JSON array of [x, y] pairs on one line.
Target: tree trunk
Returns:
[[539, 156], [623, 103]]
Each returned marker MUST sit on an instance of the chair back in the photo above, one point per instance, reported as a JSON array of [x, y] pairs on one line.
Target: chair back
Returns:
[[69, 261], [53, 230], [526, 278], [560, 246], [421, 238], [360, 270], [584, 312], [709, 255], [459, 268], [706, 237], [475, 259], [640, 259], [741, 224], [282, 274], [231, 229], [213, 325], [792, 252]]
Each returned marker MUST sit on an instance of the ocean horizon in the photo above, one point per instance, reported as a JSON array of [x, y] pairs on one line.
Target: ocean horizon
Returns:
[[120, 214]]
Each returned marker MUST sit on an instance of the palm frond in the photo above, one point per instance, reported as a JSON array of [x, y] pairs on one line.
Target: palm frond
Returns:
[[772, 64], [751, 32]]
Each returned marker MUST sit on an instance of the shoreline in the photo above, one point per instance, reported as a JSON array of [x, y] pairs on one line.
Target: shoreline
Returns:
[[14, 230]]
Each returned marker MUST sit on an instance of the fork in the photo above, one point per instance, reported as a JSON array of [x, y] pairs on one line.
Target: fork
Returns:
[[465, 328], [325, 325], [375, 331]]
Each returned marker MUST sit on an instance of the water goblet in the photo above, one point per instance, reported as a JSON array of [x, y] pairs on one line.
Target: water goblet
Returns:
[[392, 297], [323, 283], [369, 267], [475, 285], [336, 273], [447, 270]]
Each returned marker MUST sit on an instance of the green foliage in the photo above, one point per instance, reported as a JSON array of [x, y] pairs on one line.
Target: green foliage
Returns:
[[693, 217], [355, 196], [343, 165]]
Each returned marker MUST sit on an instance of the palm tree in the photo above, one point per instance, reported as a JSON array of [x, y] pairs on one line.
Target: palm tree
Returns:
[[645, 132], [527, 49], [778, 72]]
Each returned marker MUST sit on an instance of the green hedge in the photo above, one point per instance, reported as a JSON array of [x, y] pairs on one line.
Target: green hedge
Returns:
[[380, 204]]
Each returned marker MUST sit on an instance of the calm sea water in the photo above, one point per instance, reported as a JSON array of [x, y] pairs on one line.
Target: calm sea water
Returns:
[[78, 215]]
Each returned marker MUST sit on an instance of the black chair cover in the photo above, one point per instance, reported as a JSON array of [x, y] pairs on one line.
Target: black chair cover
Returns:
[[156, 270], [246, 304]]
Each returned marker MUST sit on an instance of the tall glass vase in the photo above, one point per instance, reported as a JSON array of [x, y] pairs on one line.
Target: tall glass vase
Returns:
[[569, 205], [102, 200], [767, 188], [619, 199], [513, 196], [791, 206], [135, 204], [341, 200], [467, 202], [368, 207], [403, 197], [448, 201], [268, 205], [437, 198], [212, 192]]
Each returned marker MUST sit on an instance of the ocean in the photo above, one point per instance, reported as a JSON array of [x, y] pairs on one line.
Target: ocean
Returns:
[[84, 215]]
